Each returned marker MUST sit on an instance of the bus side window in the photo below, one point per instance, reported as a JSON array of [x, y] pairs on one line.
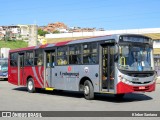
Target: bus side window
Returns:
[[90, 53], [29, 58], [13, 59], [62, 56], [39, 62], [75, 54], [38, 59]]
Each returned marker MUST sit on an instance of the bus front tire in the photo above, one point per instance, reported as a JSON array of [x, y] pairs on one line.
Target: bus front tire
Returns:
[[88, 90], [30, 85], [119, 96]]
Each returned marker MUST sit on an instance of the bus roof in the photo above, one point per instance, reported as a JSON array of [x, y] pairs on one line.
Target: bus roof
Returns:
[[97, 38]]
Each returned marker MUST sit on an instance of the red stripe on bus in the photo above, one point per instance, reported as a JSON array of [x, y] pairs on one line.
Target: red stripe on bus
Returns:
[[62, 43]]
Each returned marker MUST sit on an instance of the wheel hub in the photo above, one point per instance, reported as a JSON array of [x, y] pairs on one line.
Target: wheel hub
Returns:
[[30, 85], [86, 90]]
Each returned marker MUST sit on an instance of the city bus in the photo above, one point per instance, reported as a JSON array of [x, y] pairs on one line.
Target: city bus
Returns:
[[4, 68], [113, 64]]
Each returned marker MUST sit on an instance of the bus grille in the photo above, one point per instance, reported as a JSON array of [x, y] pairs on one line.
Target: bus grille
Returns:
[[141, 75], [141, 82]]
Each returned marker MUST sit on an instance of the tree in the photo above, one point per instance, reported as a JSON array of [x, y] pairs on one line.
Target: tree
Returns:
[[56, 31], [41, 32]]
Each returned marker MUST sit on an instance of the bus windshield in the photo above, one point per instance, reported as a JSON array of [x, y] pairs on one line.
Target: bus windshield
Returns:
[[135, 58]]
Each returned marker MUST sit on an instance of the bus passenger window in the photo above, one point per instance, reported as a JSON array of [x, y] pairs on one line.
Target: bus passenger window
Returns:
[[29, 58], [90, 53], [62, 56], [75, 54], [13, 59], [38, 59], [39, 62]]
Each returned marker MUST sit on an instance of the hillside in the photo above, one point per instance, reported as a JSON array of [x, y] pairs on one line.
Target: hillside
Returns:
[[13, 44]]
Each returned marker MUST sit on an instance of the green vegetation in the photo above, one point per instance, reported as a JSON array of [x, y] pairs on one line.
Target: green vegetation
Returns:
[[56, 32], [41, 32], [13, 44]]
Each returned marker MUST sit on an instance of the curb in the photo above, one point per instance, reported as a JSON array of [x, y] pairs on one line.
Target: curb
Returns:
[[158, 81]]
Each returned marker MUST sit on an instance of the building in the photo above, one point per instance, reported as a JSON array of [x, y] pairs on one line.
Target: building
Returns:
[[4, 52], [156, 52], [9, 32], [55, 26], [24, 31], [2, 36], [13, 32]]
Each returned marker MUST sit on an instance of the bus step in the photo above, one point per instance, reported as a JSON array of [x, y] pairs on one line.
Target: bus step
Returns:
[[50, 89]]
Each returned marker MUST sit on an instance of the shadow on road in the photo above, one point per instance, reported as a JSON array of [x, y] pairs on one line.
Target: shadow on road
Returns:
[[3, 79], [21, 89], [127, 98], [98, 97]]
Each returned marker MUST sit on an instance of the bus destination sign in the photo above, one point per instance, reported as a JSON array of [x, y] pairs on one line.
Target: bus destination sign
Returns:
[[135, 39]]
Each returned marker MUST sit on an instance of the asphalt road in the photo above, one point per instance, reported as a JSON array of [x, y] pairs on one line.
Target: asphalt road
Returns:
[[16, 98]]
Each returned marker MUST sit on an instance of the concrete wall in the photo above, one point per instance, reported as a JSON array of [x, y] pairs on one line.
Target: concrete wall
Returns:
[[101, 33]]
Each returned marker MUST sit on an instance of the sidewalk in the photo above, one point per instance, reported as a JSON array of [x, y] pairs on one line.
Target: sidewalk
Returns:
[[158, 80]]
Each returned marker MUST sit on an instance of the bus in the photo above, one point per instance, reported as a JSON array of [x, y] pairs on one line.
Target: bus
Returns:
[[4, 68], [115, 64]]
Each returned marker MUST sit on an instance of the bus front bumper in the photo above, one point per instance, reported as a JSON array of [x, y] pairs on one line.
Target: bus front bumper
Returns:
[[125, 88]]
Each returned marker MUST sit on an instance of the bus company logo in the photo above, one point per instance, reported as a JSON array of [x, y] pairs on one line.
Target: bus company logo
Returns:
[[6, 114], [86, 69], [69, 68]]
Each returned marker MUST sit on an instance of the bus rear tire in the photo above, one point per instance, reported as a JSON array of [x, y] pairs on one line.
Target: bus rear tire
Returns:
[[30, 86], [88, 90]]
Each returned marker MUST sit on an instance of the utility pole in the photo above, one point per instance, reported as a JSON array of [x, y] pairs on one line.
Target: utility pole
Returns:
[[33, 35]]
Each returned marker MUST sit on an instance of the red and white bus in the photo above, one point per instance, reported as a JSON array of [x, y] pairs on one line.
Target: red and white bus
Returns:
[[116, 64]]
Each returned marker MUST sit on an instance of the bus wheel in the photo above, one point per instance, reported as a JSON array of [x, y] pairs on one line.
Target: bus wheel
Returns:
[[119, 96], [30, 85], [88, 90]]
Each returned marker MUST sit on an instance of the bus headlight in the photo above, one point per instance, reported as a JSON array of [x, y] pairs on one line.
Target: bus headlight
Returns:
[[125, 81]]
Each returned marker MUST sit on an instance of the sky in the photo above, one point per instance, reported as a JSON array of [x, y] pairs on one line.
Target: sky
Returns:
[[107, 14]]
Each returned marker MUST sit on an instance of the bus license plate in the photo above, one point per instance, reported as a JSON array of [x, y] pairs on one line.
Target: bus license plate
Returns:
[[141, 88]]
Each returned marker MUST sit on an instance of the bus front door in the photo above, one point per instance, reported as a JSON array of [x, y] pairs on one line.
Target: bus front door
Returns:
[[107, 67], [49, 67], [21, 69]]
